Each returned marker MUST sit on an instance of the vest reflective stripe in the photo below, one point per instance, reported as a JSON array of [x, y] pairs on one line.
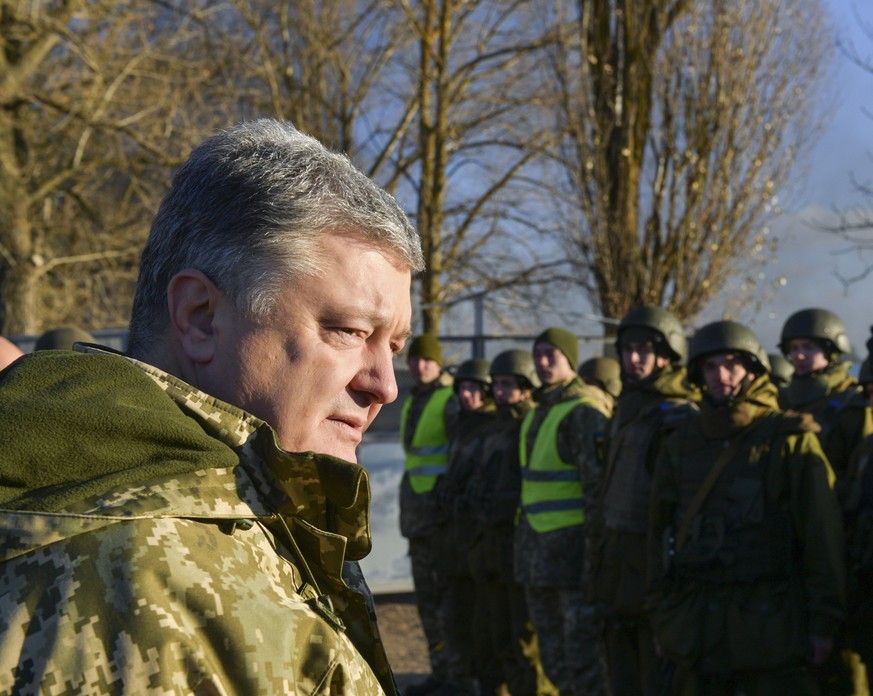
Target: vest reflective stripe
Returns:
[[428, 454], [530, 475], [551, 492]]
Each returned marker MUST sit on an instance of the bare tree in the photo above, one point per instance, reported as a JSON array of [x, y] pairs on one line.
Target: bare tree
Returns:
[[468, 163], [95, 112], [683, 122], [430, 97], [854, 223]]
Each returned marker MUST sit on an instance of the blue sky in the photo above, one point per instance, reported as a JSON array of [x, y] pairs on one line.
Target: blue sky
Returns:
[[807, 259]]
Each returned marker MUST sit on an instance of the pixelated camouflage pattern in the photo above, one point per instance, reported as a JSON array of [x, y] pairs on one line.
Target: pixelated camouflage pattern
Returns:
[[218, 581], [423, 521], [556, 559], [567, 630]]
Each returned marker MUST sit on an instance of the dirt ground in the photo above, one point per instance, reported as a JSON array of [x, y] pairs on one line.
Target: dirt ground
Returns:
[[403, 636]]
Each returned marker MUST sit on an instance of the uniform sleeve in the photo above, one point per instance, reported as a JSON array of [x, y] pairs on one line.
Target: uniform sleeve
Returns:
[[662, 511], [581, 440], [168, 606], [818, 524], [853, 424]]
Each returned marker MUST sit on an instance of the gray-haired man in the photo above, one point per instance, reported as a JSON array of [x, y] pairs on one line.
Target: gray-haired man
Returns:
[[158, 534]]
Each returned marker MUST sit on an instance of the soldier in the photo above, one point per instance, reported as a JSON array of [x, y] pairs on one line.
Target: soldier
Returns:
[[169, 524], [62, 338], [502, 631], [561, 455], [472, 384], [781, 370], [654, 398], [858, 512], [428, 419], [745, 541], [604, 373], [814, 341]]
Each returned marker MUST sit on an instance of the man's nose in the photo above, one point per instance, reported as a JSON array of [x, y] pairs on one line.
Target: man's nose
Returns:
[[377, 378]]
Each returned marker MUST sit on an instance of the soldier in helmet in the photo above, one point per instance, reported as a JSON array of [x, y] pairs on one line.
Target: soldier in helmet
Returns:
[[502, 630], [781, 370], [62, 338], [428, 419], [603, 373], [561, 455], [654, 398], [814, 341], [472, 385], [746, 575], [857, 501]]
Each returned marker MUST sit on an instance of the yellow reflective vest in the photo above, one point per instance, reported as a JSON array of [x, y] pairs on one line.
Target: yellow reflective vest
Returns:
[[551, 491], [427, 456]]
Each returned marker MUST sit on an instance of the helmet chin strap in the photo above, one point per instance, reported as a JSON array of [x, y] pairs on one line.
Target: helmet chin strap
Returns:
[[744, 387]]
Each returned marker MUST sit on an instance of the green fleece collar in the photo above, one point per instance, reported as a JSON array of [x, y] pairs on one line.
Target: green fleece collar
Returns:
[[98, 433]]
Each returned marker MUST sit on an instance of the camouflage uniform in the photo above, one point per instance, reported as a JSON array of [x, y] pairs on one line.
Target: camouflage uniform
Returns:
[[646, 412], [550, 565], [423, 521], [157, 540], [760, 569], [467, 667], [502, 625]]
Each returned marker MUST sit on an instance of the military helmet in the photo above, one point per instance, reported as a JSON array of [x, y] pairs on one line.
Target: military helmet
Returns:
[[662, 324], [604, 373], [781, 370], [62, 338], [724, 337], [816, 324], [475, 370], [515, 362]]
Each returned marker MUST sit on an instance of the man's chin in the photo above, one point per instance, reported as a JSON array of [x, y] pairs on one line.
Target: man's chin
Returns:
[[339, 450]]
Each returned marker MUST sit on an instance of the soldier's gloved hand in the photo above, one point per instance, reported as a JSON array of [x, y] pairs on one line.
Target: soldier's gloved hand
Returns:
[[821, 648]]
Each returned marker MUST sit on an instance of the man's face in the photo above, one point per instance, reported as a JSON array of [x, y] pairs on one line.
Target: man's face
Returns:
[[806, 356], [471, 394], [424, 370], [551, 364], [639, 360], [321, 367], [723, 374], [507, 390]]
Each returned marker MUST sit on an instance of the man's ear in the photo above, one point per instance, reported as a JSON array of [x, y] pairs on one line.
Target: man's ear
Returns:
[[192, 300]]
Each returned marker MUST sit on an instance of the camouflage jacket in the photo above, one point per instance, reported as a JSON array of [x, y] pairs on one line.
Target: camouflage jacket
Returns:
[[557, 558], [157, 540]]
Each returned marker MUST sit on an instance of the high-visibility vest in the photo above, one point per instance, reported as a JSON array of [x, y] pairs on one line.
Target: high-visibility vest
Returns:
[[427, 456], [551, 491]]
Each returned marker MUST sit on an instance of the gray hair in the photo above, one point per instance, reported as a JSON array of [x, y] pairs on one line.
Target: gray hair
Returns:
[[249, 209]]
